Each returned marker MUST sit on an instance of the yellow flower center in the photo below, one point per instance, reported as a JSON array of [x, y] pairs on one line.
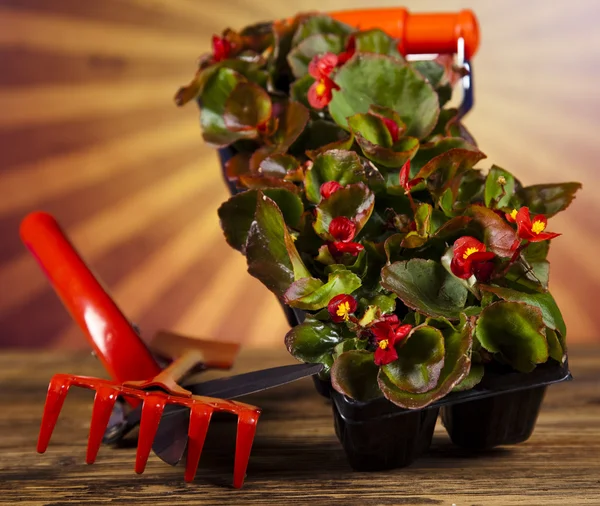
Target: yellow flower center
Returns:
[[343, 310], [513, 214], [469, 252], [321, 88], [383, 344], [538, 226]]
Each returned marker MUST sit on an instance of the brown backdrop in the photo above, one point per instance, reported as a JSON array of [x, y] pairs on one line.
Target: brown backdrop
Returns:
[[89, 132]]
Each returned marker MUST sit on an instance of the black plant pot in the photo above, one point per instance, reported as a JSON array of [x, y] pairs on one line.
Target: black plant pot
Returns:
[[378, 435], [503, 419]]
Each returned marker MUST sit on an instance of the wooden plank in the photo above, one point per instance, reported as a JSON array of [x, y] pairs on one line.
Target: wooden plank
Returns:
[[296, 457]]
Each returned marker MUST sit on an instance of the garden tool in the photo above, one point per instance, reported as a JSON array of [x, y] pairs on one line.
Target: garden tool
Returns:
[[155, 394], [126, 358]]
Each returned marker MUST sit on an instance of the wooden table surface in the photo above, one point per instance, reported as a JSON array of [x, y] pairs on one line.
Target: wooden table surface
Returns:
[[296, 457]]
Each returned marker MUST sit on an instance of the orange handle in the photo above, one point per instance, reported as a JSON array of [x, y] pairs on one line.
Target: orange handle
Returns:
[[122, 352], [422, 33]]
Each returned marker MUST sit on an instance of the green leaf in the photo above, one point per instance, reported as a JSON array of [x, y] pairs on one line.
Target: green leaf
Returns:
[[299, 89], [279, 166], [312, 294], [498, 235], [247, 107], [371, 128], [354, 201], [237, 213], [549, 199], [420, 361], [334, 165], [377, 41], [499, 194], [516, 331], [270, 252], [472, 379], [319, 25], [392, 247], [375, 141], [555, 348], [354, 374], [425, 286], [543, 301], [292, 118], [423, 219], [453, 227], [430, 70], [471, 189], [428, 152], [535, 273], [348, 345], [321, 136], [301, 55], [419, 237], [442, 170], [312, 340], [387, 303], [214, 98], [457, 350], [370, 79]]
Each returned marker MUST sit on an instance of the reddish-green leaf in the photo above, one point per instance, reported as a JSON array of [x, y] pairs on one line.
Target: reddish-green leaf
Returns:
[[247, 107], [312, 294], [338, 165], [354, 201], [270, 251], [457, 346], [549, 199], [498, 235], [420, 361], [516, 331], [425, 286], [371, 79], [354, 374]]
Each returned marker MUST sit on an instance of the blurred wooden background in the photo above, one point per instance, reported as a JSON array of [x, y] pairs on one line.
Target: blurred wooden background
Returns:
[[89, 132]]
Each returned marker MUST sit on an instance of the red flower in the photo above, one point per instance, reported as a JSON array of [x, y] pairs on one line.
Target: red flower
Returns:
[[471, 257], [329, 188], [512, 216], [392, 127], [339, 248], [387, 333], [404, 177], [221, 48], [341, 307], [348, 52], [532, 231], [320, 92], [342, 229]]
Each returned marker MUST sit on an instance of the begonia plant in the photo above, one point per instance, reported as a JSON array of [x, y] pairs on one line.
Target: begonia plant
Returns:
[[360, 201]]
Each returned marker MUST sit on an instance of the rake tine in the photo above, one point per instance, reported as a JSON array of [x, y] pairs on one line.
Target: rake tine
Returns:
[[200, 415], [247, 420], [57, 391], [104, 402], [152, 410]]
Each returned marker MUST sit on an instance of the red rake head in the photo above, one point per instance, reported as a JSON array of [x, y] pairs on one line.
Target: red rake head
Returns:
[[201, 410]]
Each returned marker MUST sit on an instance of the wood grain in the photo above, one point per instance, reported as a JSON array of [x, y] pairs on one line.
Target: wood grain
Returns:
[[88, 131], [296, 457]]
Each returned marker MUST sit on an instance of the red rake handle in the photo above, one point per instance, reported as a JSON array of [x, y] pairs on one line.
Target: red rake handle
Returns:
[[121, 351]]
